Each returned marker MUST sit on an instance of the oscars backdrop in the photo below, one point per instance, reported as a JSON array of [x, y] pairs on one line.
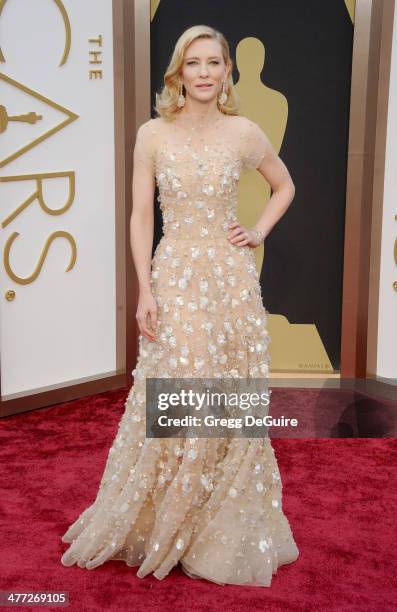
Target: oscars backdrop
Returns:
[[292, 74], [57, 192]]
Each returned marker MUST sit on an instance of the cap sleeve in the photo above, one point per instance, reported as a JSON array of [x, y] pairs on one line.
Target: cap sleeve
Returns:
[[144, 147], [255, 146]]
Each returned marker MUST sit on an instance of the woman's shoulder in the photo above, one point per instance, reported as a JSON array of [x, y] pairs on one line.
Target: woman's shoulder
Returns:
[[239, 123], [147, 132], [245, 127], [240, 119], [237, 120], [148, 126], [158, 121], [156, 126], [248, 124]]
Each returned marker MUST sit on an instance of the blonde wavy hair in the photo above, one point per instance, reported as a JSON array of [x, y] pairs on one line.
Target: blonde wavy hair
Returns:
[[166, 102]]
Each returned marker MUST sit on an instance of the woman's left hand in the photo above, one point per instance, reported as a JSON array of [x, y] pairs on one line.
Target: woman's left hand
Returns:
[[241, 236]]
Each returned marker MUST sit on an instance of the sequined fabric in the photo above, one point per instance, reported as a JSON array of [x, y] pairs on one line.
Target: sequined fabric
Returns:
[[212, 504]]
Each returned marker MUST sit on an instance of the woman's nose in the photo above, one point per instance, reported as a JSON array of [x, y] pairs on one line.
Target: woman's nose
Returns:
[[203, 70]]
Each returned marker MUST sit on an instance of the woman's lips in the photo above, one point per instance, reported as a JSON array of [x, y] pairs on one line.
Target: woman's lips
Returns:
[[204, 86]]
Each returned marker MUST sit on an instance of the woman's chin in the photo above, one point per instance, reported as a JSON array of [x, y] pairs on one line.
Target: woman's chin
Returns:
[[205, 96]]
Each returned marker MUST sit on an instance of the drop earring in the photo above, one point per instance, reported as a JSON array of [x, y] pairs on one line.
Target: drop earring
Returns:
[[223, 96], [181, 97]]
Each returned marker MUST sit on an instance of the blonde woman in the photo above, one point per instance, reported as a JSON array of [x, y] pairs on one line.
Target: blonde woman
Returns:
[[212, 504]]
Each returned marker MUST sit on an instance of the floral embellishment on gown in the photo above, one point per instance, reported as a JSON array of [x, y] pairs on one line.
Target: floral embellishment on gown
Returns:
[[212, 504]]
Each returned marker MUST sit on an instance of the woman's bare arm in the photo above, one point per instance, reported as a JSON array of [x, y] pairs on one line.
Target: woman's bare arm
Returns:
[[142, 222], [141, 238], [276, 173]]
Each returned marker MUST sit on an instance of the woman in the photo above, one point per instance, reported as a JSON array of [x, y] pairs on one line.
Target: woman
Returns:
[[212, 504]]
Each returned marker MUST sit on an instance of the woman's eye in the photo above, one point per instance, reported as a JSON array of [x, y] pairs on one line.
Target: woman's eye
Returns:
[[212, 62]]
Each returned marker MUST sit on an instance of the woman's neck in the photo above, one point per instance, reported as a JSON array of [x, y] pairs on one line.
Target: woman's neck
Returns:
[[195, 110]]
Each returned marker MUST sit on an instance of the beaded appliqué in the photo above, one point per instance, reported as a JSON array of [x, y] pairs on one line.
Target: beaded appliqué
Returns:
[[213, 504]]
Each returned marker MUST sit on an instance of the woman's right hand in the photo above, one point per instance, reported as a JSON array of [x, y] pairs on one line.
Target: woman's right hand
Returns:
[[146, 315]]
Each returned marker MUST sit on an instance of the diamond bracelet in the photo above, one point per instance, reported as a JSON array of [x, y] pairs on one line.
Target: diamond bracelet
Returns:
[[260, 236]]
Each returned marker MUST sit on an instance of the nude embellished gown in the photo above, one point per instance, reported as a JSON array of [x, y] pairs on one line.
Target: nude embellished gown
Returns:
[[212, 504]]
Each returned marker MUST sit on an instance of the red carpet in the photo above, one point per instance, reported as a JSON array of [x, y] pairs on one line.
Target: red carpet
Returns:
[[340, 496]]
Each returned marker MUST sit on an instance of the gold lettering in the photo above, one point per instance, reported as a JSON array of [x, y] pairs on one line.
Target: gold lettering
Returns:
[[66, 23], [97, 41], [29, 279], [96, 60], [38, 193], [69, 118], [96, 74]]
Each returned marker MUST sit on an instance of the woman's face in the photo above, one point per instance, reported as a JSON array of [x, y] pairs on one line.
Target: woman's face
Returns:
[[203, 65]]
